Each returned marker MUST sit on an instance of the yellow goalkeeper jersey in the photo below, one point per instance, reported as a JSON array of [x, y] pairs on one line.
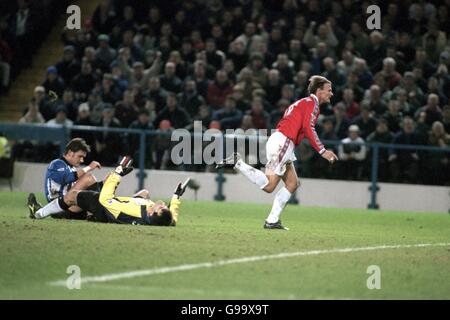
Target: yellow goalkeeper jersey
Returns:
[[132, 210]]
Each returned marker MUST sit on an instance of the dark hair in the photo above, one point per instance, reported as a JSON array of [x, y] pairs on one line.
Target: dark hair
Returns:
[[77, 144], [317, 82], [163, 219]]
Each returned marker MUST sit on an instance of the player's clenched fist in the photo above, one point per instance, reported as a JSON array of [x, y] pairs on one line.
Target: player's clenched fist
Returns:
[[94, 165]]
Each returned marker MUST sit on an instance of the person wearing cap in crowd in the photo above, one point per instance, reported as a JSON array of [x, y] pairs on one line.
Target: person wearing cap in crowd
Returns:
[[352, 153], [60, 118], [44, 106], [104, 54], [53, 81], [68, 67]]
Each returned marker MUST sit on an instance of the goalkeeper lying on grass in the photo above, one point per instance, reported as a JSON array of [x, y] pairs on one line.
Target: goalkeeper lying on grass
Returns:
[[105, 206]]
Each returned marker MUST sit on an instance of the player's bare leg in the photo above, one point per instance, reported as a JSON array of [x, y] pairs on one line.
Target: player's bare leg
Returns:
[[84, 182], [290, 178], [274, 180]]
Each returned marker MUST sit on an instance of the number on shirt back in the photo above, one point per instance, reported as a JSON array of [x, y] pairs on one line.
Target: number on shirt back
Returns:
[[289, 110]]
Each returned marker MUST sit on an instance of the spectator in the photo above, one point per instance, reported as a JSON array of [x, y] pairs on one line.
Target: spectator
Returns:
[[156, 94], [421, 61], [108, 145], [53, 81], [390, 75], [393, 116], [340, 121], [190, 99], [218, 90], [33, 115], [404, 163], [60, 118], [104, 16], [45, 107], [228, 117], [257, 69], [446, 118], [169, 80], [126, 110], [325, 134], [84, 82], [437, 166], [324, 34], [333, 74], [376, 50], [238, 54], [432, 110], [349, 103], [5, 64], [84, 119], [365, 77], [69, 103], [177, 116], [143, 122], [277, 114], [108, 91], [296, 53], [104, 54], [365, 122], [352, 153], [213, 56], [374, 99], [285, 67], [260, 118], [301, 85], [381, 135]]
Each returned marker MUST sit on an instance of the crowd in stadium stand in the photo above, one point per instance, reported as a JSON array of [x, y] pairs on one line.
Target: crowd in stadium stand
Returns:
[[23, 26], [238, 64]]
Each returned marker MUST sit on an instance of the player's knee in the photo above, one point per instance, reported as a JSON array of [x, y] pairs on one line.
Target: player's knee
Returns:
[[269, 188], [292, 186], [71, 197]]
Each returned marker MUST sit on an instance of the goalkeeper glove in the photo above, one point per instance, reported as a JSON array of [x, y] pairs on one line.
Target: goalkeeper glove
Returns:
[[181, 188], [124, 166]]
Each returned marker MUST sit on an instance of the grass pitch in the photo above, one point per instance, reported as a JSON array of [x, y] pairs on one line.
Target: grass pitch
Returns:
[[33, 254]]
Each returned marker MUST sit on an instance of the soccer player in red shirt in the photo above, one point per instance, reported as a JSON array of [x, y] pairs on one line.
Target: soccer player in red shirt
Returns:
[[298, 122]]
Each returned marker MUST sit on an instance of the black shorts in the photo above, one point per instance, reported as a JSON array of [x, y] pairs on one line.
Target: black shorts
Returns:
[[89, 201]]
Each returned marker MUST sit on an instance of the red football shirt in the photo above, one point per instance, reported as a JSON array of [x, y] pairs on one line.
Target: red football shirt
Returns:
[[299, 121]]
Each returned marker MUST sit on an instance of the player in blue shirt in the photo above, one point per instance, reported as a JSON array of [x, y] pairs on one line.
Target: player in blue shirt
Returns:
[[64, 174]]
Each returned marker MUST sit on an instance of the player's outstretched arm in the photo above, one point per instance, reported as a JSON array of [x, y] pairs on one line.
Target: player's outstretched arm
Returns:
[[175, 202], [330, 156]]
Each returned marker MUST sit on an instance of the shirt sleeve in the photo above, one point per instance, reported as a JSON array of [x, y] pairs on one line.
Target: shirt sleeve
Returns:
[[61, 173], [312, 111], [175, 209], [107, 194]]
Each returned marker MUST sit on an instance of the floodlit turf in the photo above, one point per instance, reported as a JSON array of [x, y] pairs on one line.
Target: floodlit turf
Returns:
[[35, 253]]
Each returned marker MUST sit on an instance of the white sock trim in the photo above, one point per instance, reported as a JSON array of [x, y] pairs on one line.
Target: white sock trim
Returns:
[[281, 199], [50, 208]]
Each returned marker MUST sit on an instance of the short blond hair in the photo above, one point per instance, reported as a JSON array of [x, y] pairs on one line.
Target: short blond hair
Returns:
[[317, 82]]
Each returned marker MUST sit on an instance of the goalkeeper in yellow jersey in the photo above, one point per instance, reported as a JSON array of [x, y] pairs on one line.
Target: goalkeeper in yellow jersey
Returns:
[[105, 206]]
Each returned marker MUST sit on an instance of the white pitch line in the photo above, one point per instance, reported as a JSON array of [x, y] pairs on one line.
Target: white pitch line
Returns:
[[185, 267]]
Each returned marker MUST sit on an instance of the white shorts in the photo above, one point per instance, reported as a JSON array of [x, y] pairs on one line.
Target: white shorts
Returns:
[[279, 153]]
